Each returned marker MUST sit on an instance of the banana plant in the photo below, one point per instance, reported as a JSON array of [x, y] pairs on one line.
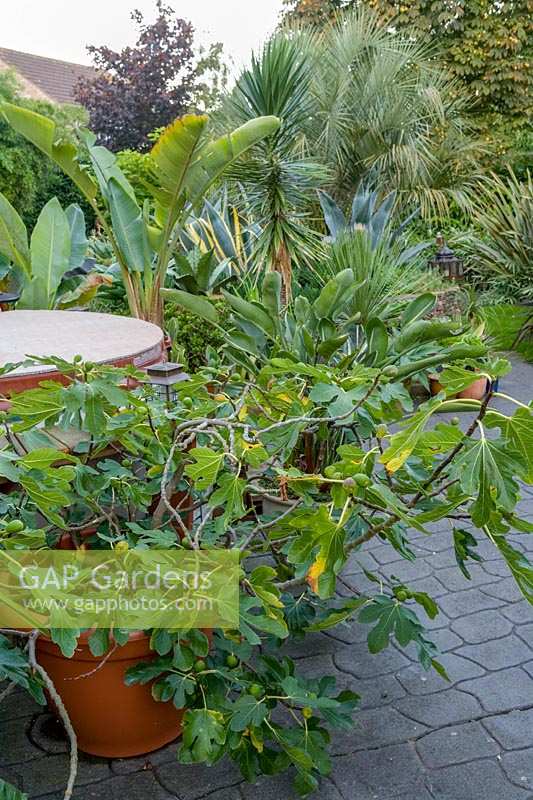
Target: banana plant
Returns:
[[48, 267], [184, 166]]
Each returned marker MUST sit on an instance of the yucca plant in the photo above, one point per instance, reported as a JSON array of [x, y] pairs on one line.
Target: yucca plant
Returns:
[[279, 176], [184, 166]]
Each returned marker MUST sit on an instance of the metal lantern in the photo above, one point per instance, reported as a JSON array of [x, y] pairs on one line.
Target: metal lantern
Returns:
[[163, 377], [446, 262], [8, 299]]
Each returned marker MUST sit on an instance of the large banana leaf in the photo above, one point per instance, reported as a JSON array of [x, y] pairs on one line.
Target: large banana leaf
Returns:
[[50, 256], [128, 226], [13, 236], [78, 236], [41, 131], [186, 168], [216, 156]]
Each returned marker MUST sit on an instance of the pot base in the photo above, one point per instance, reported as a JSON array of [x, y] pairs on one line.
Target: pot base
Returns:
[[110, 719]]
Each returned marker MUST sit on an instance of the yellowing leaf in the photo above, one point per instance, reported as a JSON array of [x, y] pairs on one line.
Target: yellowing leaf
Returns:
[[317, 569]]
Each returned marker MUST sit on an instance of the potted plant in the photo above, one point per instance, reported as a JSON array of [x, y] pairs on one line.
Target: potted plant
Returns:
[[220, 448]]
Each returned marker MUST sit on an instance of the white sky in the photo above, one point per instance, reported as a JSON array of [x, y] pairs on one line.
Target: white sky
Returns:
[[62, 28]]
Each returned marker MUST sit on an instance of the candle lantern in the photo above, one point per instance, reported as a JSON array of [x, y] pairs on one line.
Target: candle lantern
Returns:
[[446, 262], [164, 377]]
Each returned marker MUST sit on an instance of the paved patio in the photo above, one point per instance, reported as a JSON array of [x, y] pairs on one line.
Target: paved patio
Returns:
[[418, 738]]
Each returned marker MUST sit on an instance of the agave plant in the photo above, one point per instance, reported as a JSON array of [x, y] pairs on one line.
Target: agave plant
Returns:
[[184, 166], [199, 273], [377, 219], [225, 230], [49, 270]]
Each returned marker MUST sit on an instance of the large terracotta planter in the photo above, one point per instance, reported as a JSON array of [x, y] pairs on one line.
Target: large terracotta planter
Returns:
[[110, 719]]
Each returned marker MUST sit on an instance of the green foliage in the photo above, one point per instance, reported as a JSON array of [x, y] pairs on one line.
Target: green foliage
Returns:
[[48, 270], [9, 792], [240, 442], [184, 166], [27, 178], [502, 253], [190, 338]]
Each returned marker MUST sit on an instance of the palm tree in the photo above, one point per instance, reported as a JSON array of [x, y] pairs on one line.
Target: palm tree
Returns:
[[278, 178], [383, 104]]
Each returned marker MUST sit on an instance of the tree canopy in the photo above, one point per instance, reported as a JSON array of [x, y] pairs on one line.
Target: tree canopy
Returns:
[[145, 87]]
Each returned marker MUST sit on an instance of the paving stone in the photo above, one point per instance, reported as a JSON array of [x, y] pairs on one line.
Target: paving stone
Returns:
[[416, 680], [315, 643], [526, 634], [468, 602], [454, 581], [520, 613], [379, 727], [316, 666], [408, 571], [13, 775], [441, 708], [373, 693], [507, 590], [496, 568], [49, 774], [482, 627], [142, 786], [192, 781], [349, 633], [497, 654], [386, 554], [480, 779], [502, 691], [124, 766], [358, 661], [429, 585], [456, 745], [281, 786], [439, 560], [18, 704], [518, 767], [15, 746], [445, 639], [393, 771], [513, 731]]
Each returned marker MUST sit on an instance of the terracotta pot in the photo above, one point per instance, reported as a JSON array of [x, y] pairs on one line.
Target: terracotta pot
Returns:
[[476, 391], [110, 719]]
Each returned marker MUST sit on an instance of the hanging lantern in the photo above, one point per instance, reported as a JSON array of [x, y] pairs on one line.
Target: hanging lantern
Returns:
[[446, 262], [163, 377]]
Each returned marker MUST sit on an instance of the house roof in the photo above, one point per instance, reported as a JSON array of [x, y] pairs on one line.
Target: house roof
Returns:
[[45, 78]]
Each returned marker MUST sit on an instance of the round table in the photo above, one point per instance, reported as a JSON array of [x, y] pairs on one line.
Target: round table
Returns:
[[102, 338]]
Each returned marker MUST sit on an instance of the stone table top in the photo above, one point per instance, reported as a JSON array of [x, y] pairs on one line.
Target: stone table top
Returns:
[[102, 338]]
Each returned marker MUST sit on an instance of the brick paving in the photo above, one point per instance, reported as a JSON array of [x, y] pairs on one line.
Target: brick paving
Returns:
[[417, 737]]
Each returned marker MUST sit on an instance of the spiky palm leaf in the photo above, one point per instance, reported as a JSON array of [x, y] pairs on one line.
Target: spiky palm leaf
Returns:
[[278, 176]]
